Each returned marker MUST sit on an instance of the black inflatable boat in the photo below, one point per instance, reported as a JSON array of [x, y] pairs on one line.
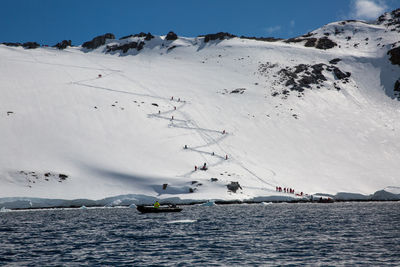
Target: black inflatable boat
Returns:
[[151, 209]]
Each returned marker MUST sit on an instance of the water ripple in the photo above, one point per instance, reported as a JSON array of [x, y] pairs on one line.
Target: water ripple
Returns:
[[339, 234]]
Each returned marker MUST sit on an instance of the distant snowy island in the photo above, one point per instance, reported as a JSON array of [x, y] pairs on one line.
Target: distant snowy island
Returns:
[[215, 117]]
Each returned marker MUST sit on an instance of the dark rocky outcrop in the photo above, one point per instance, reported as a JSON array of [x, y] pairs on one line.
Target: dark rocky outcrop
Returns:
[[295, 40], [233, 186], [141, 34], [125, 47], [392, 19], [325, 43], [334, 61], [27, 45], [64, 44], [98, 41], [238, 91], [309, 34], [317, 72], [217, 36], [264, 39], [12, 44], [340, 75], [394, 55], [63, 176], [397, 86], [171, 48], [310, 42], [319, 43], [147, 36], [127, 36], [302, 76], [30, 45], [171, 36]]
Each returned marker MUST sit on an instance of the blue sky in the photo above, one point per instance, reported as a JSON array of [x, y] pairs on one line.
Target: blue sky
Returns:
[[50, 21]]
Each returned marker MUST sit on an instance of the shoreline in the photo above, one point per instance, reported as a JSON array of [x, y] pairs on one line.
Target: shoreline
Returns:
[[218, 202]]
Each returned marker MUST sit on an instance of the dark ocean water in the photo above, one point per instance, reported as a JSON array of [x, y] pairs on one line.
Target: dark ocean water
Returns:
[[239, 235]]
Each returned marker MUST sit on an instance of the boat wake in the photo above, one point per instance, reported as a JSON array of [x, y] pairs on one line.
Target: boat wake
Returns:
[[182, 221]]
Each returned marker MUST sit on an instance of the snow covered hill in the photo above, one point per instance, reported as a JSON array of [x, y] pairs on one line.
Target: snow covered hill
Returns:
[[316, 113]]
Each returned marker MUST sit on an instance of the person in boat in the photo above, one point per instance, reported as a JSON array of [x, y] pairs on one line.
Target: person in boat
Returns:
[[156, 205]]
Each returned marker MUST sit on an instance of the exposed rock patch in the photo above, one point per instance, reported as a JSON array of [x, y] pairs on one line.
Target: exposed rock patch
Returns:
[[233, 187], [12, 44], [27, 45], [171, 48], [264, 39], [125, 47], [319, 43], [98, 41], [325, 43], [311, 42], [302, 76], [63, 44], [238, 91], [171, 36], [397, 86], [339, 74], [30, 45], [217, 36], [394, 55], [390, 19], [234, 91], [147, 36], [334, 61], [33, 177]]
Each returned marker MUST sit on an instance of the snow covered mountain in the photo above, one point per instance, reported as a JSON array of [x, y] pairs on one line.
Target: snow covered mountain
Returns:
[[317, 113]]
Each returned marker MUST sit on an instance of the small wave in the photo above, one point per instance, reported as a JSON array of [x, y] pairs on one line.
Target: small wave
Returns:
[[182, 221], [266, 203], [3, 209]]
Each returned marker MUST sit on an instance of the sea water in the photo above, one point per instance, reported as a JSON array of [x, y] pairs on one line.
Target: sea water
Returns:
[[239, 235]]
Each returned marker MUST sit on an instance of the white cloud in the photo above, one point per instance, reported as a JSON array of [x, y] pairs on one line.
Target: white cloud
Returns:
[[273, 29], [367, 9]]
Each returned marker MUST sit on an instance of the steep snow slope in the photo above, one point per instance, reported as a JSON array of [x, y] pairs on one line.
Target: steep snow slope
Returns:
[[68, 133]]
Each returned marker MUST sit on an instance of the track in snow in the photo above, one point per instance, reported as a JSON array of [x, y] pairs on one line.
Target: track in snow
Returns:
[[210, 137]]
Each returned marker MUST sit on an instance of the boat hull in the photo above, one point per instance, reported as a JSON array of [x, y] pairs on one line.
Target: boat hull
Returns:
[[148, 209]]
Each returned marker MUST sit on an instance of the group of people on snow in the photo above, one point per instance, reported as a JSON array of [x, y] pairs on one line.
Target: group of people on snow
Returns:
[[172, 98], [286, 190], [289, 191]]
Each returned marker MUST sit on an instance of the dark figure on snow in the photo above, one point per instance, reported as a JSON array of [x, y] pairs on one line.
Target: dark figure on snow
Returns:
[[204, 168]]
